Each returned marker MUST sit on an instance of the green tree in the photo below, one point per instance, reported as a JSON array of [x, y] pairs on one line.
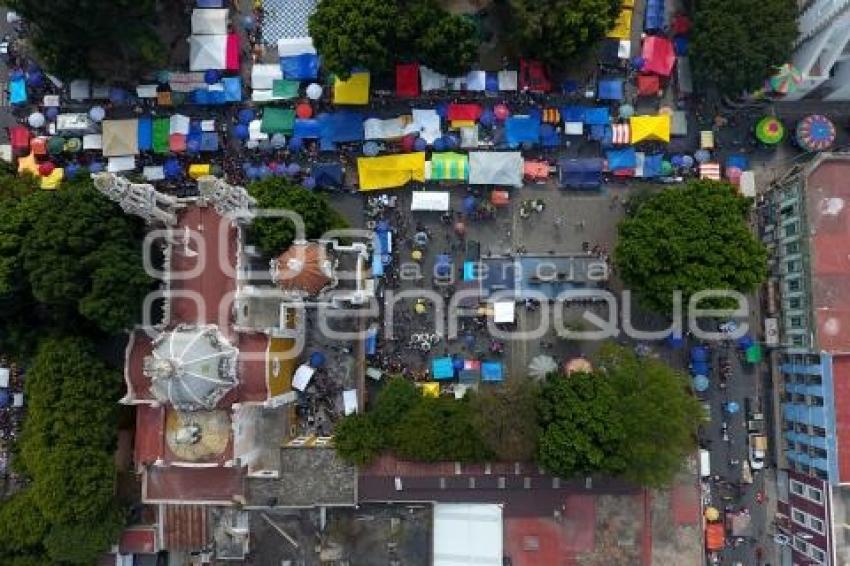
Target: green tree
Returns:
[[107, 39], [354, 33], [357, 439], [733, 49], [505, 418], [555, 31], [435, 430], [447, 43], [689, 239], [396, 398], [275, 234]]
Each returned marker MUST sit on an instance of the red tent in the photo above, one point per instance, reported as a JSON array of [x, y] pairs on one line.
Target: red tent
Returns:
[[464, 111], [407, 80], [500, 198], [715, 537], [533, 76], [658, 55], [232, 52], [648, 85], [20, 138], [681, 24]]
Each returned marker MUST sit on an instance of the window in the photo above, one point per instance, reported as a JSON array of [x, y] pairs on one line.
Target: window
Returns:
[[797, 488], [814, 493], [792, 248], [792, 266], [794, 303], [793, 285], [817, 431], [796, 322], [798, 517], [816, 524], [790, 229], [816, 401], [801, 545], [796, 340]]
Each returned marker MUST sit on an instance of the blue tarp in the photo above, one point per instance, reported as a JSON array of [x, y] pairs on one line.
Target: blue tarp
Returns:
[[442, 368], [581, 173], [522, 129], [739, 161], [621, 158], [232, 89], [654, 15], [327, 175], [699, 354], [145, 133], [208, 97], [210, 3], [372, 341], [597, 116], [492, 372], [573, 113], [309, 128], [209, 141], [601, 133], [300, 67], [342, 127], [549, 136], [383, 242], [699, 368], [18, 91], [610, 89], [652, 165]]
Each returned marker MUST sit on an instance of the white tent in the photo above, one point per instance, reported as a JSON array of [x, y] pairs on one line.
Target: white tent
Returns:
[[121, 163], [264, 75], [377, 129], [207, 52], [495, 168], [120, 138], [467, 534], [429, 201], [431, 80], [426, 123], [80, 89], [207, 21], [476, 81], [289, 46], [507, 80], [504, 312], [179, 124], [302, 377]]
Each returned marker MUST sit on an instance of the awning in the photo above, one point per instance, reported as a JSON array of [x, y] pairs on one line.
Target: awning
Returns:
[[390, 171], [429, 201], [650, 128], [355, 90]]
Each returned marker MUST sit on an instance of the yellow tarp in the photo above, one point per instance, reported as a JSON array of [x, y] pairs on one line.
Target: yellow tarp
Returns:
[[650, 128], [198, 170], [623, 26], [390, 171], [27, 164], [628, 4], [457, 124], [430, 389], [353, 91], [51, 182]]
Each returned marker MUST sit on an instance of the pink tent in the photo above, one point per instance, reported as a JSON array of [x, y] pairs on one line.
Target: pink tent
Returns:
[[232, 53], [658, 56]]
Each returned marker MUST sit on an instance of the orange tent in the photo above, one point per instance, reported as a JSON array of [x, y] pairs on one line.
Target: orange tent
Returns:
[[715, 537]]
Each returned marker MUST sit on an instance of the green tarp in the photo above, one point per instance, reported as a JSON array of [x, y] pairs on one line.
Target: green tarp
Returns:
[[753, 354], [449, 167], [282, 88], [278, 121], [161, 128]]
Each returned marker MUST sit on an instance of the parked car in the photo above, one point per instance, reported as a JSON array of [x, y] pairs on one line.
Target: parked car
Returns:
[[758, 451]]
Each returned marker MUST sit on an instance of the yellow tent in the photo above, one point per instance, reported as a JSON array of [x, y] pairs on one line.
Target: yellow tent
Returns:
[[390, 171], [623, 26], [430, 389], [650, 128], [198, 170], [353, 91], [628, 3], [27, 164], [51, 182]]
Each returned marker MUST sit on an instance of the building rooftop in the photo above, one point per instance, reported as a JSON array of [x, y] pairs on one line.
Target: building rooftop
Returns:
[[175, 484]]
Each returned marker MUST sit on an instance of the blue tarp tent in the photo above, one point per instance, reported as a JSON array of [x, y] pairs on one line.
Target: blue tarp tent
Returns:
[[208, 97], [300, 67], [327, 175], [739, 161], [209, 141], [610, 89], [601, 133], [372, 341], [654, 15], [18, 91], [343, 127], [699, 354], [442, 368], [549, 136], [307, 128], [210, 3], [232, 89], [382, 244], [573, 113], [492, 372], [581, 173], [621, 158], [597, 116], [652, 165], [145, 133], [699, 368], [522, 129]]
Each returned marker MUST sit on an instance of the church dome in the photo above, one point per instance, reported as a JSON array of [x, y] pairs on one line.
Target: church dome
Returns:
[[303, 268]]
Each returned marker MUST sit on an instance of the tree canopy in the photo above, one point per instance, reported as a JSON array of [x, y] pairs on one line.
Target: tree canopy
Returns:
[[71, 260], [689, 239], [731, 46], [506, 419], [372, 34], [114, 39], [68, 513], [555, 31], [275, 234], [631, 416]]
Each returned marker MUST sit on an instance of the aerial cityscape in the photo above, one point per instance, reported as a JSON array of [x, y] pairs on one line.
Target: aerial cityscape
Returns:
[[425, 282]]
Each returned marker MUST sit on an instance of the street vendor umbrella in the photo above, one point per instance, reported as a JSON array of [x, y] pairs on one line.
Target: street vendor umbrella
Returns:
[[73, 145], [211, 76], [303, 110], [246, 115], [666, 168], [541, 366], [687, 161], [247, 22], [293, 168], [55, 145], [51, 112], [626, 111], [676, 160], [439, 144], [711, 514], [460, 228], [36, 120], [241, 131], [487, 117], [420, 144], [732, 407], [733, 173], [264, 171], [420, 307], [416, 255], [786, 79], [371, 149], [46, 168], [769, 130], [97, 113], [309, 183], [815, 133], [501, 112], [95, 167], [702, 155], [442, 110], [452, 141], [752, 355], [171, 168], [71, 170], [35, 78], [296, 143], [314, 91], [278, 141], [700, 383], [469, 204]]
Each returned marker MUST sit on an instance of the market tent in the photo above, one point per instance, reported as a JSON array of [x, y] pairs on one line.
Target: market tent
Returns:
[[278, 121], [120, 137], [492, 372], [476, 81], [522, 129], [407, 80], [343, 126], [207, 52], [619, 159], [678, 123], [533, 76], [610, 89], [648, 84], [51, 182], [431, 389], [585, 173], [658, 55], [209, 22], [442, 368], [301, 67], [464, 112], [652, 165], [390, 171], [377, 129], [355, 90], [17, 90], [598, 116], [161, 128], [622, 26], [328, 175], [431, 80], [715, 537], [507, 80], [231, 55], [145, 135], [429, 201], [448, 167], [263, 76], [753, 354], [19, 137], [495, 168], [709, 170], [284, 89], [537, 170], [650, 128], [654, 15], [232, 89]]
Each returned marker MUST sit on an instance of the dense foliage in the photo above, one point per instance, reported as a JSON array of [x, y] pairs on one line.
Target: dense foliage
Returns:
[[632, 417], [107, 39], [71, 260], [689, 239], [732, 47], [68, 514], [274, 234], [555, 31], [372, 34], [505, 418]]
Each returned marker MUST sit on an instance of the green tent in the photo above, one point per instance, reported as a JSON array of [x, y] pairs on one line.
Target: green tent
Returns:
[[753, 354], [449, 167], [55, 145], [161, 128], [282, 88], [278, 121]]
